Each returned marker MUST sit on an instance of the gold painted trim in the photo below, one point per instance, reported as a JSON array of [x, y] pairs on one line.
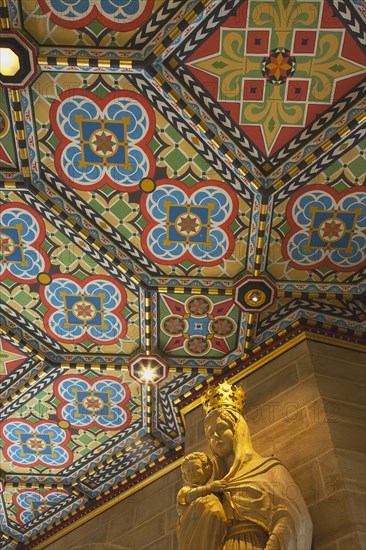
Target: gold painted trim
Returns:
[[361, 117], [344, 131], [4, 23], [323, 338], [9, 184]]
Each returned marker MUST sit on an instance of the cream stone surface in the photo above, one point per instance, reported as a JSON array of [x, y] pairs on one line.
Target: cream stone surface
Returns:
[[307, 407]]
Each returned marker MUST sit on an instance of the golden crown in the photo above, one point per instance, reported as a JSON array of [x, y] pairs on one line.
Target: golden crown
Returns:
[[224, 396]]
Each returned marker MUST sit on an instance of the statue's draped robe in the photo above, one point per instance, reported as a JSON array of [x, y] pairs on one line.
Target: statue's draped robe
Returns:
[[201, 524], [265, 494]]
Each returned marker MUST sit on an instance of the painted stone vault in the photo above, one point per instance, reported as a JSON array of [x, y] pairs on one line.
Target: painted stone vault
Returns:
[[182, 190]]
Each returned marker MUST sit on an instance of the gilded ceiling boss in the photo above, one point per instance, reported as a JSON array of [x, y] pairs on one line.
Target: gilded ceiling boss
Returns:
[[252, 503]]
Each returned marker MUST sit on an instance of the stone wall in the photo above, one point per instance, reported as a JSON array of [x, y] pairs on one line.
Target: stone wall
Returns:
[[307, 407]]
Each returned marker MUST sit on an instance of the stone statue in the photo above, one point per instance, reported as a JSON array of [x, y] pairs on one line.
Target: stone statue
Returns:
[[257, 504]]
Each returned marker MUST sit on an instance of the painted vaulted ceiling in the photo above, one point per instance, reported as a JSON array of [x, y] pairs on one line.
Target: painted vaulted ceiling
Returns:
[[181, 189]]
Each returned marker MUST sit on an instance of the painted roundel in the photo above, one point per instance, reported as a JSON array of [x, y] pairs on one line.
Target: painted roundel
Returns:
[[197, 326], [103, 141], [327, 228], [278, 66], [189, 223]]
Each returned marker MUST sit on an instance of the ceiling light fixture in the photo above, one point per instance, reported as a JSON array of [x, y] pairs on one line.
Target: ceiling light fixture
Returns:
[[255, 297], [18, 60], [9, 62], [148, 369], [254, 293]]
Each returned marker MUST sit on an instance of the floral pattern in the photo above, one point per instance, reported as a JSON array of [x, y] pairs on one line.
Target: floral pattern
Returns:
[[103, 141], [21, 232], [192, 224], [33, 504], [327, 228], [120, 15], [275, 65], [101, 402], [198, 325], [80, 309], [28, 444]]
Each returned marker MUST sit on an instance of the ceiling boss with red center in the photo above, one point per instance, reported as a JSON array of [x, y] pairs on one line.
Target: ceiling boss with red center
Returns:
[[182, 198]]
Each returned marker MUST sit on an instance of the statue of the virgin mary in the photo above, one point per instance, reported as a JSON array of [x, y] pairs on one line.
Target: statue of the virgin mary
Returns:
[[262, 507]]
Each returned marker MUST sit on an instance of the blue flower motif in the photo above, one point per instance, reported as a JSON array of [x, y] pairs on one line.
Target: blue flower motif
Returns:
[[327, 228], [100, 402], [32, 503], [84, 309], [191, 224], [30, 444], [103, 141]]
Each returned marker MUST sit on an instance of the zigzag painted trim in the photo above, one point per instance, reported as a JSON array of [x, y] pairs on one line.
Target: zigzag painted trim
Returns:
[[28, 390], [161, 105], [142, 451], [52, 212], [325, 160], [327, 118], [248, 147], [91, 215], [235, 133], [37, 523], [293, 329], [26, 371], [303, 303], [177, 30], [312, 295], [206, 27], [118, 441], [159, 18], [351, 19], [28, 331], [24, 346]]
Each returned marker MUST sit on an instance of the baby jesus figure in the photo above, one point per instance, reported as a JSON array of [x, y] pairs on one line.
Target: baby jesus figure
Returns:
[[201, 517]]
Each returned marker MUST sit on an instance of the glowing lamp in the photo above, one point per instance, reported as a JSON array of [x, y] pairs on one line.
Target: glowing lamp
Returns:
[[148, 369], [9, 62]]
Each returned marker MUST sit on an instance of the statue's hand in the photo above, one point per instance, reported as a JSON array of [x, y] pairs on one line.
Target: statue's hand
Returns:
[[273, 543], [218, 485]]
